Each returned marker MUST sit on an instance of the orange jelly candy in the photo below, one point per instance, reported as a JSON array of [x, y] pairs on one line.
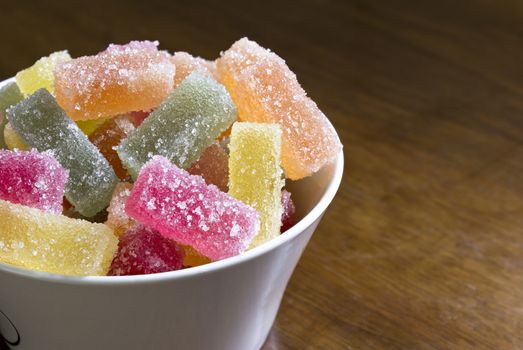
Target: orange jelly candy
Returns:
[[107, 136], [265, 90], [187, 64], [121, 79], [117, 218], [193, 258]]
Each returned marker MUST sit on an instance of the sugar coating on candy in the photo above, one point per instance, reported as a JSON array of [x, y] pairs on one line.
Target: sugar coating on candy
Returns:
[[42, 241], [40, 75], [213, 166], [117, 218], [255, 175], [287, 216], [107, 136], [184, 125], [12, 139], [265, 90], [142, 250], [121, 79], [9, 96], [43, 125], [33, 179], [183, 207], [192, 258], [187, 64]]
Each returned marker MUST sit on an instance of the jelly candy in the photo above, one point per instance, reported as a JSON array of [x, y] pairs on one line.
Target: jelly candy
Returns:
[[12, 139], [182, 207], [33, 179], [9, 96], [142, 250], [213, 166], [192, 258], [117, 218], [255, 176], [287, 216], [42, 241], [187, 64], [108, 136], [40, 75], [89, 126], [186, 123], [121, 79], [265, 90], [42, 124]]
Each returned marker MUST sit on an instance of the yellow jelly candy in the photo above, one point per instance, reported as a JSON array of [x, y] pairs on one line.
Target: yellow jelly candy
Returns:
[[12, 139], [255, 176], [89, 126], [40, 74], [53, 243]]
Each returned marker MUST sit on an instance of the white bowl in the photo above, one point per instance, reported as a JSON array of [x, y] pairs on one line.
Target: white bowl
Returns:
[[229, 304]]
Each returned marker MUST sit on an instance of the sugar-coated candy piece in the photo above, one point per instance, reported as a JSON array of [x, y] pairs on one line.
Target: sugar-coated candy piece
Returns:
[[33, 179], [9, 96], [213, 166], [265, 90], [12, 139], [40, 75], [287, 216], [43, 241], [255, 175], [121, 79], [118, 219], [89, 126], [142, 251], [107, 136], [186, 123], [192, 258], [183, 207], [187, 64], [42, 124]]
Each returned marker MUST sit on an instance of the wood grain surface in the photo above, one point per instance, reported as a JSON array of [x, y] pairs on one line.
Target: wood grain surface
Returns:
[[423, 246]]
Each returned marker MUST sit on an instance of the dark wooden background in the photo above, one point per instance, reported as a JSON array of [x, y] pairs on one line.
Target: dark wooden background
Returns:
[[423, 246]]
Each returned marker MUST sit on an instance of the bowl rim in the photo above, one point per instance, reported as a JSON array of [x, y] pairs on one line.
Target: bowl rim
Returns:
[[318, 209]]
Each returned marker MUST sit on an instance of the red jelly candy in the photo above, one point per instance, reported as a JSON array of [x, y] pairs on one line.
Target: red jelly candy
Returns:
[[142, 251]]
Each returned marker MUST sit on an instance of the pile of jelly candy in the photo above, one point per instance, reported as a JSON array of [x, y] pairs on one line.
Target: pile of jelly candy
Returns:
[[136, 161]]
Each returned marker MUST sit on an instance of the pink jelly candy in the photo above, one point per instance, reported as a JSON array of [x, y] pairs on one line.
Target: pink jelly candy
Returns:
[[142, 250], [33, 179], [183, 207], [287, 216]]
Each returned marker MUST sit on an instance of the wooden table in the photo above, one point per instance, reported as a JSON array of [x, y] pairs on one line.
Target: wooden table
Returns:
[[423, 246]]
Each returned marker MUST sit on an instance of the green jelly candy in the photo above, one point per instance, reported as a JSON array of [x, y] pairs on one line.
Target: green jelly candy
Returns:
[[42, 124], [9, 96], [182, 127]]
